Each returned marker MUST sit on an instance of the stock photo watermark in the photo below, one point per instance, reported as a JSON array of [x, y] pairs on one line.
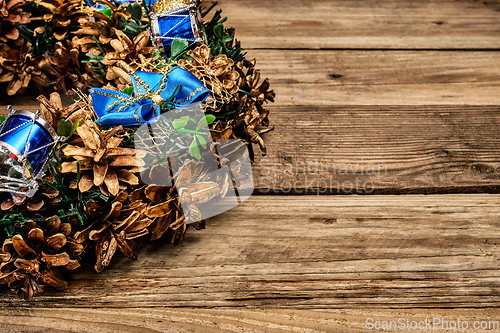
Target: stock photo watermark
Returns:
[[431, 324], [319, 177]]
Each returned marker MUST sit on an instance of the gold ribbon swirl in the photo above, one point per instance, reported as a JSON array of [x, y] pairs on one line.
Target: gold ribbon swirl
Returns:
[[156, 98], [165, 6]]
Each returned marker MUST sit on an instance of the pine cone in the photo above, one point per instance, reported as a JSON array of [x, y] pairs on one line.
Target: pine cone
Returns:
[[249, 117], [102, 162], [58, 70], [11, 15], [110, 51], [31, 204], [217, 74], [123, 58], [49, 60], [171, 208], [36, 254], [224, 79], [52, 110], [115, 229], [250, 82], [12, 67], [63, 17], [251, 114], [165, 210]]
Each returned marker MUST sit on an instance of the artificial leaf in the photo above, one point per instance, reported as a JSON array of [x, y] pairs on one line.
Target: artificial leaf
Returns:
[[180, 123], [64, 128], [128, 90], [194, 150], [205, 121], [135, 10], [218, 30], [202, 140], [178, 46], [73, 129]]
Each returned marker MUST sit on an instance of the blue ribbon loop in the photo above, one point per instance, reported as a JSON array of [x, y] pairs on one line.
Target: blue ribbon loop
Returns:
[[151, 91], [101, 6]]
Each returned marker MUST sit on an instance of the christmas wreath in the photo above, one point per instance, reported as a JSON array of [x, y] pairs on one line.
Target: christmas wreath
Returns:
[[165, 111]]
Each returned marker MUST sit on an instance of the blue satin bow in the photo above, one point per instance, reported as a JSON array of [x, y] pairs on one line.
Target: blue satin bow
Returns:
[[151, 91], [101, 6]]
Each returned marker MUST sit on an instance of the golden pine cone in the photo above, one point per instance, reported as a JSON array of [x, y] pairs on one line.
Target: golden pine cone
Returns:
[[217, 74], [102, 162], [116, 228]]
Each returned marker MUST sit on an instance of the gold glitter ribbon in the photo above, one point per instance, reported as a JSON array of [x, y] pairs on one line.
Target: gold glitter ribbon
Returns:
[[156, 98], [165, 6]]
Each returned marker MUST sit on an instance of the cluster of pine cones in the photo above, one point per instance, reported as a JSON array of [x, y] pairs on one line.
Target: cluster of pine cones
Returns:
[[66, 47], [50, 43], [119, 210]]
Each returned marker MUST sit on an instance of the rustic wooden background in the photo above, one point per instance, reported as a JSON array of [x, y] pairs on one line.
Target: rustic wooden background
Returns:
[[410, 89]]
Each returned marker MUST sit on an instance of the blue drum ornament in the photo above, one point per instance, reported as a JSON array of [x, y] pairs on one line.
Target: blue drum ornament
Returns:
[[125, 2], [26, 143], [171, 19]]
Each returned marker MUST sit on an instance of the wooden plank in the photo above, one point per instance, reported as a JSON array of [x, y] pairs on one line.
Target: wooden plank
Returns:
[[236, 320], [303, 264], [367, 24], [311, 77], [24, 102], [310, 252], [380, 149]]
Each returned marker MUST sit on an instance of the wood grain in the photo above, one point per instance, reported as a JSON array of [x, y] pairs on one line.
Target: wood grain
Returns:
[[346, 149], [375, 149], [411, 86], [229, 319], [400, 24], [312, 77], [415, 252]]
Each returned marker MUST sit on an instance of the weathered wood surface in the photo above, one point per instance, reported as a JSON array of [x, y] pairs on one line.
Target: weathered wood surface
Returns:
[[290, 253], [408, 85], [150, 320], [374, 149], [392, 24], [313, 78]]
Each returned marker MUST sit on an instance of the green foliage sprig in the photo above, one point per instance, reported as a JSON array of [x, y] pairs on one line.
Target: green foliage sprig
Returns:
[[41, 43], [220, 39], [134, 27]]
